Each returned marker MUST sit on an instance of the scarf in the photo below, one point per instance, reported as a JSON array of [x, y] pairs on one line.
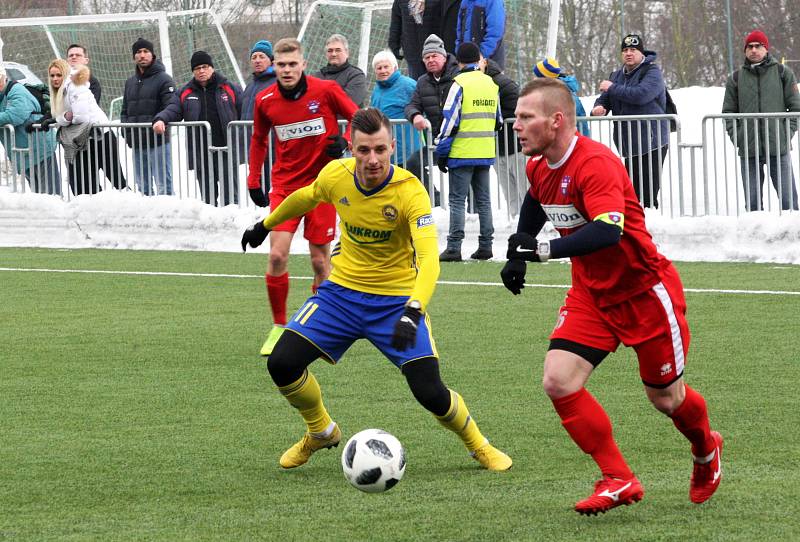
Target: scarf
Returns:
[[416, 8]]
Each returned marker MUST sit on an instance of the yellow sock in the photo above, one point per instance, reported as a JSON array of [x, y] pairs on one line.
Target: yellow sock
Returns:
[[306, 397], [461, 423]]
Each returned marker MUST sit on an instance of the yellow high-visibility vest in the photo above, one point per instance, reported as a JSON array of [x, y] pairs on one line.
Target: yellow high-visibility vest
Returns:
[[476, 131]]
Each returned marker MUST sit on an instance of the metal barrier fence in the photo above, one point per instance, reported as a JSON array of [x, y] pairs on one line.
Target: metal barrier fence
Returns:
[[712, 177]]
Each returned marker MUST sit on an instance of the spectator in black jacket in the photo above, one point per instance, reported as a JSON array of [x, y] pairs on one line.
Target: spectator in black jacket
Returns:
[[413, 21], [150, 97], [210, 97], [425, 109], [77, 55], [350, 78], [448, 22]]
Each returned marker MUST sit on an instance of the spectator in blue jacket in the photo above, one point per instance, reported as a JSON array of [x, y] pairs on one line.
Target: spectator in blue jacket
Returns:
[[19, 108], [483, 22], [263, 75], [210, 97], [391, 94], [549, 67], [638, 88]]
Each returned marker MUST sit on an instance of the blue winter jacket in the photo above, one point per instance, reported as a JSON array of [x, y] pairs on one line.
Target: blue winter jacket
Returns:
[[572, 85], [483, 22], [391, 97], [18, 107], [636, 94], [255, 84]]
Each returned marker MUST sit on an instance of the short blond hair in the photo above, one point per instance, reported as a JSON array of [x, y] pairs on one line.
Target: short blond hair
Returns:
[[288, 45], [557, 96]]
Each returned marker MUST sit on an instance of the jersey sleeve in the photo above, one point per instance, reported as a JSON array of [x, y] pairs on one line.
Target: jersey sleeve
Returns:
[[258, 143], [303, 199], [602, 187], [343, 106], [426, 246]]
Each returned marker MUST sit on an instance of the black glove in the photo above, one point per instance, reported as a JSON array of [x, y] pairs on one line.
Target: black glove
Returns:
[[405, 330], [337, 148], [397, 54], [513, 275], [47, 123], [523, 246], [441, 162], [254, 235], [258, 197]]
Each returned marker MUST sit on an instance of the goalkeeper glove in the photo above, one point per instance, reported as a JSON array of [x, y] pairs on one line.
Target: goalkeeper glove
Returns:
[[513, 275], [258, 197], [254, 235], [523, 246], [337, 147], [405, 330]]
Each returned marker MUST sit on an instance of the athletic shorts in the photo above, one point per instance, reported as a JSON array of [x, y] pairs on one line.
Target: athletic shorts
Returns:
[[335, 317], [653, 323], [319, 226]]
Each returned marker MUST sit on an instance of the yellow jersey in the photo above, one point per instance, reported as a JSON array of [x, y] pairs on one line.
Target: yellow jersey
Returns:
[[387, 243]]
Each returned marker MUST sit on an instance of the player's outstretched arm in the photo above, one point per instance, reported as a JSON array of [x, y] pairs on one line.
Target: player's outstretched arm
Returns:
[[298, 203], [254, 235]]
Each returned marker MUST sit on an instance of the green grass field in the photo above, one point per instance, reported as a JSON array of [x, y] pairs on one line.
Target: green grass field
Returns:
[[135, 407]]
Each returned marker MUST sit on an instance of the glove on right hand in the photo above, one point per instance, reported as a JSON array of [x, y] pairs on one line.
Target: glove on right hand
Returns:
[[513, 275], [258, 197]]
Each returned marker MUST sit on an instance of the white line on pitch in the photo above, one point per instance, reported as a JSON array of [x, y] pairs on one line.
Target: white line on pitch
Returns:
[[446, 282]]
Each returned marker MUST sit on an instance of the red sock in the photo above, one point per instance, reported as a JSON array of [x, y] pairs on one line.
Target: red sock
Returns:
[[278, 292], [691, 419], [588, 425]]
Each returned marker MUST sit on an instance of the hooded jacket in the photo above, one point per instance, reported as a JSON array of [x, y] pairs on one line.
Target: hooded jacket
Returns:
[[430, 95], [149, 96], [350, 78], [483, 22], [572, 85], [638, 92], [17, 108], [761, 88], [391, 97]]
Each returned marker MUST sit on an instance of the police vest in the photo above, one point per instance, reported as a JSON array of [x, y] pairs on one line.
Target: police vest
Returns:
[[476, 131]]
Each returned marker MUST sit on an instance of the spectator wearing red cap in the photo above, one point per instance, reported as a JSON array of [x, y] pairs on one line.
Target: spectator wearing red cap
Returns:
[[762, 85]]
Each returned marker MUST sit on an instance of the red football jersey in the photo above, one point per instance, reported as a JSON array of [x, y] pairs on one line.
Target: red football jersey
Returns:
[[302, 128], [591, 181]]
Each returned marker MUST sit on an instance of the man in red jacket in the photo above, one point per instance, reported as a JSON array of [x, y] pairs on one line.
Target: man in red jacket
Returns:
[[302, 110]]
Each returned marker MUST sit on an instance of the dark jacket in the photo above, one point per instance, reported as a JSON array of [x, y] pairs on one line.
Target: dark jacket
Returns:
[[149, 97], [509, 94], [448, 20], [218, 103], [483, 22], [406, 36], [255, 84], [350, 78], [640, 92], [95, 88], [765, 87], [430, 95]]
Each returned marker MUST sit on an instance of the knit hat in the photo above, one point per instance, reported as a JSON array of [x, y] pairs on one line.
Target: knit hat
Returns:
[[548, 67], [201, 57], [633, 40], [468, 53], [757, 36], [142, 43], [262, 46], [433, 44]]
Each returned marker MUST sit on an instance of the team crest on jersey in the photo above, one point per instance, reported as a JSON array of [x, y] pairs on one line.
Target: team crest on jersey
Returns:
[[344, 201], [565, 184], [389, 213], [313, 106], [424, 220], [564, 216], [298, 130], [666, 369]]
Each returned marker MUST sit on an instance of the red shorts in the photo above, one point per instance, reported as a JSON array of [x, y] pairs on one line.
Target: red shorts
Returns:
[[653, 323], [319, 224]]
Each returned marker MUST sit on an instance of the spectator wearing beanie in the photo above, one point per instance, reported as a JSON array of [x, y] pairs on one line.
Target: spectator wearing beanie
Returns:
[[762, 85], [262, 76], [642, 144], [149, 96], [549, 67], [424, 110], [483, 22], [410, 24], [212, 98], [466, 149]]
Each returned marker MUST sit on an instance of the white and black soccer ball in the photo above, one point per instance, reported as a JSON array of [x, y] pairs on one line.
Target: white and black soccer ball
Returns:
[[373, 460]]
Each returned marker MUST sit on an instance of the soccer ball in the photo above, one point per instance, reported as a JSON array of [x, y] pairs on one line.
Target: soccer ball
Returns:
[[373, 461]]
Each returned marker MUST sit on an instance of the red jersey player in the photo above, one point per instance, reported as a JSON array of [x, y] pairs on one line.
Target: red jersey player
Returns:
[[302, 110], [623, 291]]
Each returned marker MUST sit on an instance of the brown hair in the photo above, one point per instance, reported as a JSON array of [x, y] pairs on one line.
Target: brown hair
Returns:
[[368, 121], [557, 96], [288, 45]]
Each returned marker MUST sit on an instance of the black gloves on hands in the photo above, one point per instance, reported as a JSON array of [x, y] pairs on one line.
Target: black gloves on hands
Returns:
[[441, 162], [47, 123], [523, 246], [258, 197], [405, 330], [337, 147], [513, 275], [254, 235]]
